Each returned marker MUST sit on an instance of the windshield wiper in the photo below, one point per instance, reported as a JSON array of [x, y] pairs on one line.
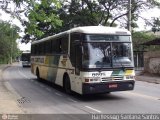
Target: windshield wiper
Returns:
[[114, 58]]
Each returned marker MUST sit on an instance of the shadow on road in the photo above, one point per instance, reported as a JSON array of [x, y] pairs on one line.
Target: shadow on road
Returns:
[[84, 98]]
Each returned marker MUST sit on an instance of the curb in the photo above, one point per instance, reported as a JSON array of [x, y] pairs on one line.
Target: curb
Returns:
[[148, 79], [8, 99]]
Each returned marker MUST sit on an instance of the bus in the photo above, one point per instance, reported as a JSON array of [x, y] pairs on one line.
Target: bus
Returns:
[[26, 60], [86, 60]]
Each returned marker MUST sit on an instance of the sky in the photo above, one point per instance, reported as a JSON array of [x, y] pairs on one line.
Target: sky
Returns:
[[147, 14], [6, 17]]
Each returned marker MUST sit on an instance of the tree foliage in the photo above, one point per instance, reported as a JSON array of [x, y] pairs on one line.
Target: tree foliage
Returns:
[[92, 12], [156, 25], [43, 20], [142, 37], [42, 16], [8, 45], [104, 12], [46, 17]]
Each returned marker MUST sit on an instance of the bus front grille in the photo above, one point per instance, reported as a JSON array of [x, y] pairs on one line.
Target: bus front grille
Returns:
[[113, 78]]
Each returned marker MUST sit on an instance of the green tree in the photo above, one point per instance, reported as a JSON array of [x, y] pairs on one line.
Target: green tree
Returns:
[[8, 45], [103, 12], [86, 12], [43, 20], [141, 37], [156, 25], [46, 17]]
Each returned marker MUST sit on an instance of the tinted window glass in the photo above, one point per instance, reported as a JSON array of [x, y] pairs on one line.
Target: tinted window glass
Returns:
[[64, 44], [56, 46], [74, 36], [116, 38]]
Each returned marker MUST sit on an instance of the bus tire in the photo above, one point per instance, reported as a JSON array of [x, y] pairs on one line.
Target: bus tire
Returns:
[[38, 75], [67, 85]]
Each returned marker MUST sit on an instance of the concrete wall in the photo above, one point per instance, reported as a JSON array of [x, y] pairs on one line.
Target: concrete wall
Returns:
[[152, 62]]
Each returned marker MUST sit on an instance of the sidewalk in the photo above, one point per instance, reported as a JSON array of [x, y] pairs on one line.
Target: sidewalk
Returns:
[[8, 101], [151, 78]]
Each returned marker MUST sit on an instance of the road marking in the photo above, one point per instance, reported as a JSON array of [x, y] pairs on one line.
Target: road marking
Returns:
[[48, 89], [22, 74], [93, 109], [71, 100], [42, 86], [58, 94], [142, 95]]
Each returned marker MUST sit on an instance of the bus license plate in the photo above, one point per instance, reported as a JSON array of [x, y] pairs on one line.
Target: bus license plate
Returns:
[[113, 86]]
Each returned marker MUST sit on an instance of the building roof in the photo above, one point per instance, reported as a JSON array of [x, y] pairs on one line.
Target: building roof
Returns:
[[155, 41]]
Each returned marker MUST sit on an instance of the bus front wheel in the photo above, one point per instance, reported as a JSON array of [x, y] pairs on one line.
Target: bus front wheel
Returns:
[[67, 85]]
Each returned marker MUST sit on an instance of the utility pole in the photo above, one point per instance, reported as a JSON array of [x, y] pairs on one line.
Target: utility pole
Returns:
[[11, 45], [129, 15]]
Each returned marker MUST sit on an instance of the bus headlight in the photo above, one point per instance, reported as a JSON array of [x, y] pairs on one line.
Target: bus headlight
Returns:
[[90, 80], [129, 77]]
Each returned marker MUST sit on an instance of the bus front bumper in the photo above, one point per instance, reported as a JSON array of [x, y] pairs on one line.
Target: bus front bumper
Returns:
[[93, 88]]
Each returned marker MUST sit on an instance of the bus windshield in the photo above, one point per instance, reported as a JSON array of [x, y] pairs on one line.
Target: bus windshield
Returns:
[[107, 55]]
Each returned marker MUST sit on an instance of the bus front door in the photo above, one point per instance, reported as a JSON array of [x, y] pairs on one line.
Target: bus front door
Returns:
[[78, 58]]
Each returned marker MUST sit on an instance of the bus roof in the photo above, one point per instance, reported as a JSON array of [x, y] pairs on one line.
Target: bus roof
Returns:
[[89, 30], [26, 52], [100, 30]]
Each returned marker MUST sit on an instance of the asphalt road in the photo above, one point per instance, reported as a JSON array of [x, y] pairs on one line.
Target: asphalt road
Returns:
[[42, 98]]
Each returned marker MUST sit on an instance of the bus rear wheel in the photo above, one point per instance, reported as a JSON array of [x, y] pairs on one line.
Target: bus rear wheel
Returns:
[[67, 85], [38, 75]]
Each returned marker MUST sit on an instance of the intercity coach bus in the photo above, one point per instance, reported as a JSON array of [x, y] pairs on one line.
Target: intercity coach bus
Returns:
[[86, 60]]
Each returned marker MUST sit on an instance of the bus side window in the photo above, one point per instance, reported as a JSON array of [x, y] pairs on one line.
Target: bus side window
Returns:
[[35, 49], [56, 46], [64, 44], [53, 48], [48, 47], [78, 59], [72, 48], [38, 49], [43, 48], [32, 50]]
